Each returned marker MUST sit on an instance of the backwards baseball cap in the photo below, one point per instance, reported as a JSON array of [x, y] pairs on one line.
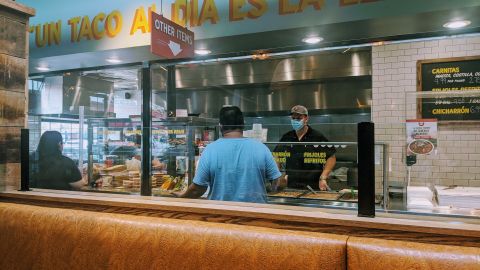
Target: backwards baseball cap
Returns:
[[299, 109]]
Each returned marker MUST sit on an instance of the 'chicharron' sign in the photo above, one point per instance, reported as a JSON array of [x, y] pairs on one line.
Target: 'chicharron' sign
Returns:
[[450, 88]]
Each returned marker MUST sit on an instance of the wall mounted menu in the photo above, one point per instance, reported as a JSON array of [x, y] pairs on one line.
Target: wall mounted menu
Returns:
[[421, 136], [457, 84]]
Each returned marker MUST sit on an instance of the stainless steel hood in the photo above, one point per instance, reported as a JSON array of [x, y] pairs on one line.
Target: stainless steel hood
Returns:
[[334, 80], [301, 68]]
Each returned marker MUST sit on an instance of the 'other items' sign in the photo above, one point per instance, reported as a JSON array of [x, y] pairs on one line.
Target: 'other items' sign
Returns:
[[170, 40]]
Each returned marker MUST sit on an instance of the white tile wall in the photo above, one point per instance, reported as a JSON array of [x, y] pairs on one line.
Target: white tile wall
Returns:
[[457, 161]]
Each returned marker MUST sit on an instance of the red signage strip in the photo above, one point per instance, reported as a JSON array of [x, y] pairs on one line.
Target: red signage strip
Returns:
[[170, 40]]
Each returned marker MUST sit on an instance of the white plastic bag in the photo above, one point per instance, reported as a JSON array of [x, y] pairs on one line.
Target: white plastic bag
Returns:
[[133, 164]]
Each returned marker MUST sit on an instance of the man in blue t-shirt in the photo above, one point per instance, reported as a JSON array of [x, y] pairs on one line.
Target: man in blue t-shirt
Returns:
[[233, 167]]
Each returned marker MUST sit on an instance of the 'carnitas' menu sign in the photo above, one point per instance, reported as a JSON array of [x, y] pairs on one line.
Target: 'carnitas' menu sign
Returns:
[[457, 81]]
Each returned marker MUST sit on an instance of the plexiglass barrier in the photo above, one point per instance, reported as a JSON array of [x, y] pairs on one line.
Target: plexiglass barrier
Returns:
[[265, 163], [433, 161]]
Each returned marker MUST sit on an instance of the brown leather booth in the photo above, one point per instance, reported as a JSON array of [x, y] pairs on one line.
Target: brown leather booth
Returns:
[[372, 254], [38, 237], [34, 237]]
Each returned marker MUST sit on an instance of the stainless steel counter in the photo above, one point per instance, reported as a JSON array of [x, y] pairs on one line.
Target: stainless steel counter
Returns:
[[432, 212], [312, 203]]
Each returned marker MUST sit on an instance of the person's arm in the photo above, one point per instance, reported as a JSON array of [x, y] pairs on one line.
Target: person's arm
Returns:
[[279, 183], [327, 168], [272, 172], [78, 180], [194, 191], [282, 181], [79, 184]]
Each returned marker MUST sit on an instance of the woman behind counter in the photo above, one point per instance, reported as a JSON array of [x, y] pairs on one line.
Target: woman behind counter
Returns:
[[52, 170]]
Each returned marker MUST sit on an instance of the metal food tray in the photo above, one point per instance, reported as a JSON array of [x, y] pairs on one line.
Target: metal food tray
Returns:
[[321, 195], [346, 197], [285, 194], [306, 194]]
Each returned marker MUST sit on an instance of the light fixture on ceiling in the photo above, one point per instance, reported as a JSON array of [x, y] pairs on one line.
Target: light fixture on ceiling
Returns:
[[114, 60], [42, 68], [202, 51], [457, 24], [378, 43], [260, 56], [312, 40]]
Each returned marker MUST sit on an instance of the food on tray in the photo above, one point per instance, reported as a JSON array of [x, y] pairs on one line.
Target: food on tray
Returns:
[[322, 196], [127, 183], [168, 184], [349, 197], [176, 141], [286, 194], [116, 168], [421, 147], [304, 194], [105, 180], [154, 182], [134, 173], [123, 174], [158, 165], [180, 184]]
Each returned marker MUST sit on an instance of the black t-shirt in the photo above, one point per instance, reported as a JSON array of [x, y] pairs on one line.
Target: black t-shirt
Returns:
[[303, 163], [54, 173]]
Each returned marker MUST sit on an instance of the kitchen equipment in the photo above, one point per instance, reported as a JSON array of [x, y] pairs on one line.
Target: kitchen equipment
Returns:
[[311, 189], [303, 194]]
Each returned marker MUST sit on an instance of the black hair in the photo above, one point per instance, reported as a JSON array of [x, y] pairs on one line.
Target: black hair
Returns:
[[48, 147], [231, 118]]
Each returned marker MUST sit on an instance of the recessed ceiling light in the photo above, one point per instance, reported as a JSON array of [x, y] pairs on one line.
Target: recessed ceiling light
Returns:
[[312, 40], [260, 56], [457, 24], [378, 43], [43, 68], [114, 60], [203, 51]]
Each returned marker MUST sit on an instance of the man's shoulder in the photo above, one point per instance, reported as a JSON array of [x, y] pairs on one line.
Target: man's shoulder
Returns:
[[66, 161], [289, 136], [254, 144], [222, 142], [313, 133]]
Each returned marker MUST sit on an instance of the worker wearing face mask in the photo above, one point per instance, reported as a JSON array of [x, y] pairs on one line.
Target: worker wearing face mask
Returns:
[[305, 164]]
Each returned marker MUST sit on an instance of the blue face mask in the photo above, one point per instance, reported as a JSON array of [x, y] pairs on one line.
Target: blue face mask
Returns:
[[297, 124]]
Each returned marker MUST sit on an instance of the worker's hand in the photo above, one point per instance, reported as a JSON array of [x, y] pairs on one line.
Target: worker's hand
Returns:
[[323, 185], [84, 180], [283, 182]]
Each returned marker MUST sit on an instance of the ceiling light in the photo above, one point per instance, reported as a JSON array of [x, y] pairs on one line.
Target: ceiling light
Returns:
[[203, 51], [43, 68], [114, 60], [312, 40], [260, 56], [457, 24], [378, 43]]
